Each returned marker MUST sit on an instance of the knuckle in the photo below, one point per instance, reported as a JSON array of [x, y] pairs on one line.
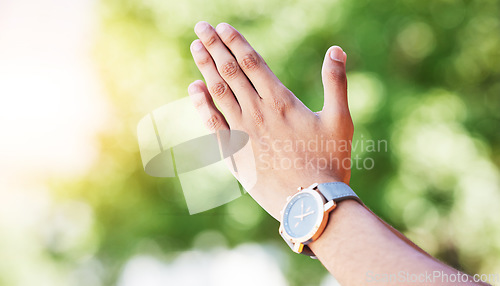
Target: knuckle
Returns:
[[198, 103], [257, 117], [210, 41], [337, 74], [218, 90], [250, 61], [213, 122], [229, 69], [203, 61], [231, 37], [278, 105]]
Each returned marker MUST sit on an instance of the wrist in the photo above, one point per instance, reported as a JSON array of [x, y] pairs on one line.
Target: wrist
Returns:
[[306, 213], [346, 213]]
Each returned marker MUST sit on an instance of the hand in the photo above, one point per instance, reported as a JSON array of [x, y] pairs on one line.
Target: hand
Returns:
[[292, 145]]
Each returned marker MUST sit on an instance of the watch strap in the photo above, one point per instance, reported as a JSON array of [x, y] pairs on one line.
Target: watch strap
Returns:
[[337, 191]]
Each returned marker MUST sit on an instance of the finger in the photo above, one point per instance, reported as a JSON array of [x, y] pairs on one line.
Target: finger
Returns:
[[334, 81], [253, 65], [202, 101], [218, 88], [227, 65]]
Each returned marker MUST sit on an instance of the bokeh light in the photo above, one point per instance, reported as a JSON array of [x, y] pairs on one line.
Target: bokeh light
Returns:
[[77, 208]]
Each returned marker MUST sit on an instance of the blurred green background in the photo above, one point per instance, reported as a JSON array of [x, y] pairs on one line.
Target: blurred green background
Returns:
[[423, 75]]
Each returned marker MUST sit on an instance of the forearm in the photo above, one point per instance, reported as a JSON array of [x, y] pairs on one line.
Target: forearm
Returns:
[[357, 248], [355, 242]]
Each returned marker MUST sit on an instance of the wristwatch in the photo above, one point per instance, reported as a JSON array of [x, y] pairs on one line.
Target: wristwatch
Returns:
[[305, 214]]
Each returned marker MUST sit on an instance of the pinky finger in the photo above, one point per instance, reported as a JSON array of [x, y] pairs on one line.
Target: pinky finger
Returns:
[[202, 101]]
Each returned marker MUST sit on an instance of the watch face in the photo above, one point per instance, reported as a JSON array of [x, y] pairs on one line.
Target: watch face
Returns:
[[301, 215]]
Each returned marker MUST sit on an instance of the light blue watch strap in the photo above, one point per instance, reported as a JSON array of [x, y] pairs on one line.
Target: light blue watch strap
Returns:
[[337, 191]]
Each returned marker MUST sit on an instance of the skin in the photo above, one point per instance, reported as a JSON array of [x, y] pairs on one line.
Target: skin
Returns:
[[242, 93]]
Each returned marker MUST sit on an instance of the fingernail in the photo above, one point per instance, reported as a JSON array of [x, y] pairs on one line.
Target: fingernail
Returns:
[[197, 46], [337, 54], [201, 27], [221, 28]]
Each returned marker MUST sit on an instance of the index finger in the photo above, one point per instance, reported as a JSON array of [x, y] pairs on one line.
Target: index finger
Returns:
[[252, 64]]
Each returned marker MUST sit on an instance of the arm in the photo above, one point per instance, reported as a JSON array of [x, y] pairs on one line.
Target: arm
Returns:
[[356, 245], [358, 248]]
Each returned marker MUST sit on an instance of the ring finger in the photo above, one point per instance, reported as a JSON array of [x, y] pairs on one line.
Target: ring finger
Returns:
[[218, 88]]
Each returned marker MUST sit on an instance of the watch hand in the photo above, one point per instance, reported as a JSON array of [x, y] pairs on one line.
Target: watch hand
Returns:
[[301, 216], [302, 209], [309, 213]]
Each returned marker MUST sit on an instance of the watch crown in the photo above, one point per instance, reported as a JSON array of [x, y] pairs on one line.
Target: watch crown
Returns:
[[300, 189]]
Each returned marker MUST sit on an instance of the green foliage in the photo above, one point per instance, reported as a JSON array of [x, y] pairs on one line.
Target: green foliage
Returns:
[[423, 75]]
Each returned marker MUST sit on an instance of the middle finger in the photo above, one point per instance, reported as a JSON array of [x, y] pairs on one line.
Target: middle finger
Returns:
[[227, 66]]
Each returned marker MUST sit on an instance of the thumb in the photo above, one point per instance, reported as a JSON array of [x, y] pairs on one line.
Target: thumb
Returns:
[[334, 81]]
